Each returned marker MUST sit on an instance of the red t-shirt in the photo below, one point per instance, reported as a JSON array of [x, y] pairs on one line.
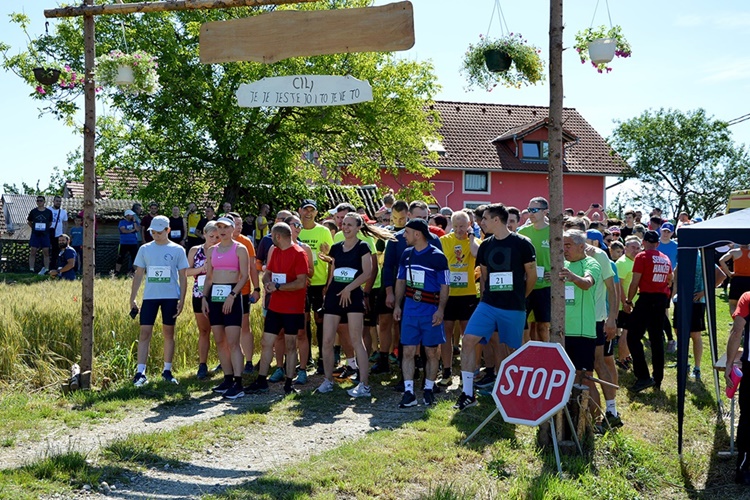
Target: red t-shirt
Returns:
[[743, 309], [287, 265], [654, 268]]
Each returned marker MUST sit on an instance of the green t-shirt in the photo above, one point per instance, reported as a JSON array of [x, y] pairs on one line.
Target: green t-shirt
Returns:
[[371, 243], [315, 237], [600, 294], [540, 239], [625, 272], [580, 308]]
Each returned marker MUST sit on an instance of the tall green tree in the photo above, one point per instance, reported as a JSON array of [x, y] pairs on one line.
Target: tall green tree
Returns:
[[684, 161], [192, 136]]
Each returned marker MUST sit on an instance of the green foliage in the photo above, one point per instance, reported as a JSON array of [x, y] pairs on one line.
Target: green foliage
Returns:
[[194, 141], [684, 161], [584, 37], [142, 64], [527, 69]]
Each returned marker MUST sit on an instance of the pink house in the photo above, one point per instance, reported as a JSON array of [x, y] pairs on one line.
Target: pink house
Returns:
[[493, 153]]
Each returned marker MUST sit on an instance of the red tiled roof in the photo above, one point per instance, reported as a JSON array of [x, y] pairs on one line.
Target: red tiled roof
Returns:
[[469, 129]]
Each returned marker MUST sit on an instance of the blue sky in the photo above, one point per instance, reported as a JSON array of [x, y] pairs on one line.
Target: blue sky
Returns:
[[686, 55]]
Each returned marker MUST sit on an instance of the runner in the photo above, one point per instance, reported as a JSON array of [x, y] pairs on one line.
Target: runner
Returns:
[[539, 301], [192, 219], [40, 221], [128, 249], [153, 211], [197, 256], [226, 274], [739, 275], [177, 232], [164, 265], [423, 278]]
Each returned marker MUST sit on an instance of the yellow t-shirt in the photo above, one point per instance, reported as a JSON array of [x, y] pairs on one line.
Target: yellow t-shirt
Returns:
[[260, 233], [192, 222], [314, 238], [461, 265]]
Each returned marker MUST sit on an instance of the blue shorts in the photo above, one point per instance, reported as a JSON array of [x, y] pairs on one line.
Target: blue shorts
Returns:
[[150, 308], [508, 324], [39, 240], [417, 330]]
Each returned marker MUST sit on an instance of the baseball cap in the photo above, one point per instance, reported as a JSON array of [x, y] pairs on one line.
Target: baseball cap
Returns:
[[651, 237], [667, 226], [614, 230], [129, 212], [308, 203], [419, 225], [226, 221], [697, 219], [160, 223], [593, 234]]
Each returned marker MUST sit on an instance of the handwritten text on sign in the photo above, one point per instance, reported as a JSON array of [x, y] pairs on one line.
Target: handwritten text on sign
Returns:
[[304, 90]]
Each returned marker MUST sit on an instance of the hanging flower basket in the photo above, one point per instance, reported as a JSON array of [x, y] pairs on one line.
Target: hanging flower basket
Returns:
[[46, 76], [497, 61], [134, 73], [526, 69], [601, 45]]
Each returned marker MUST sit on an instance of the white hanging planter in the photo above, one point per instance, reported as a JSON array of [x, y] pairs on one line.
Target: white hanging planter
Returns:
[[602, 50], [124, 75]]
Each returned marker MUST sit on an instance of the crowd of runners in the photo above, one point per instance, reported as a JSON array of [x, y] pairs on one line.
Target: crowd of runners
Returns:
[[413, 289]]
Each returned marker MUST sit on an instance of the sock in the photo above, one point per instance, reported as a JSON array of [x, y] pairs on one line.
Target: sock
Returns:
[[238, 380], [409, 386], [202, 364], [611, 407], [141, 369], [468, 380], [352, 362], [288, 383], [428, 384], [261, 378], [167, 366], [228, 378]]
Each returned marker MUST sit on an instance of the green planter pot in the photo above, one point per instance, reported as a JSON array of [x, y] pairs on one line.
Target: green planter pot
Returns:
[[497, 61]]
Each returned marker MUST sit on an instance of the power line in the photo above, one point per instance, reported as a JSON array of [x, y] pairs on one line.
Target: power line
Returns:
[[739, 119]]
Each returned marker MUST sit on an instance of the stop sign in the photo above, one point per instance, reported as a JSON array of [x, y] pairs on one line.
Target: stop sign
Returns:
[[533, 383]]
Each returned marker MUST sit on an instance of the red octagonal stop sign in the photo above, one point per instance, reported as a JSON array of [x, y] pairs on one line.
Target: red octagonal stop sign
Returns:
[[533, 383]]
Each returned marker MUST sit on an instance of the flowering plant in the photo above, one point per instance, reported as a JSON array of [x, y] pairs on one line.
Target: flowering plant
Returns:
[[584, 37], [527, 66], [69, 78], [144, 65]]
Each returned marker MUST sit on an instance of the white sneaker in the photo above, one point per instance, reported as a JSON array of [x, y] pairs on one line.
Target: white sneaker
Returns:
[[361, 391], [326, 386], [43, 271]]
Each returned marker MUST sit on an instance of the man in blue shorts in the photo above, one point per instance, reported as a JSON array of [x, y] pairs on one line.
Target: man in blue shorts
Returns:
[[508, 264], [423, 277], [161, 261]]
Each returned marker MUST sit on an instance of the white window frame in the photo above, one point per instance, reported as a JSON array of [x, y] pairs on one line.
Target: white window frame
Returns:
[[463, 182], [477, 203]]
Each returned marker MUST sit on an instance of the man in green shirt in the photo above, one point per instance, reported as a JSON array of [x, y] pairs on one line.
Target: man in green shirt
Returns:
[[539, 301]]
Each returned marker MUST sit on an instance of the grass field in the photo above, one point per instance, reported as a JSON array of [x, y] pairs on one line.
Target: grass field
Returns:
[[420, 459]]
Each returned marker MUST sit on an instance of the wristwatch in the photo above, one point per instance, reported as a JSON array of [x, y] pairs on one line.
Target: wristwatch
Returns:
[[233, 293], [256, 289], [277, 285]]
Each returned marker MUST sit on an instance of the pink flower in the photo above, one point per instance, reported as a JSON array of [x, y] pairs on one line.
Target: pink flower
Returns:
[[40, 89]]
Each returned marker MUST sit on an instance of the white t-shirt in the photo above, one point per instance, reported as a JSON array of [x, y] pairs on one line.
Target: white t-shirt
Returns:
[[162, 264], [59, 216]]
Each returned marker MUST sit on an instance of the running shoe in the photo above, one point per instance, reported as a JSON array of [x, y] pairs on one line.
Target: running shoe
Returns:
[[223, 387], [257, 387], [43, 271], [446, 380], [277, 376], [642, 384], [671, 347], [360, 391], [234, 392], [613, 421], [301, 377], [696, 375], [408, 400], [202, 371], [429, 397], [290, 390], [326, 386], [465, 401], [248, 368], [374, 357], [166, 375], [486, 382], [140, 380], [217, 369], [347, 372]]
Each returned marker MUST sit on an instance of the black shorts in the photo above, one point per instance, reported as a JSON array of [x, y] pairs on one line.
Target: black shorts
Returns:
[[581, 351], [197, 305], [622, 320], [217, 317], [314, 298], [697, 317], [371, 318], [380, 306], [246, 304], [150, 308], [737, 286], [290, 323], [332, 306], [601, 337], [460, 307], [540, 301], [609, 348]]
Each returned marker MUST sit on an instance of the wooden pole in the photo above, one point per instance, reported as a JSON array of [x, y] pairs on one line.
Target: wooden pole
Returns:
[[557, 324], [129, 8], [89, 197]]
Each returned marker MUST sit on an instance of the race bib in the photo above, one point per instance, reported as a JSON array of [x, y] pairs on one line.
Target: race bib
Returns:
[[40, 226], [501, 282], [459, 280], [201, 281], [129, 227], [158, 274], [570, 294], [415, 278], [539, 273], [344, 274], [176, 234], [219, 293], [191, 230], [279, 278], [315, 258]]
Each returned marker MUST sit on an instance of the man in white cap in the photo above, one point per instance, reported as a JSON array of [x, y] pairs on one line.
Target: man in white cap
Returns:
[[129, 230], [162, 261]]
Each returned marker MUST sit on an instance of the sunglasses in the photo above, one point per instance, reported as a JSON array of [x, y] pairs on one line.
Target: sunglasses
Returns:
[[534, 210], [608, 240], [297, 225]]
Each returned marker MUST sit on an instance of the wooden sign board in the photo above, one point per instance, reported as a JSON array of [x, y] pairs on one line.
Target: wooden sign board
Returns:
[[276, 36], [304, 91]]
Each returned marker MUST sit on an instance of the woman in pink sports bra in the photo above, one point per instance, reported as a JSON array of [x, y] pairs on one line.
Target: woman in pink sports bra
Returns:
[[226, 274]]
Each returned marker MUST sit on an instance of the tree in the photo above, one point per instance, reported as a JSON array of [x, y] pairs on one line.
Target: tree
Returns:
[[193, 138], [684, 161]]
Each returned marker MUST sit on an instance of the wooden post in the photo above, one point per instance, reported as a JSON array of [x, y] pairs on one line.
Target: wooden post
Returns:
[[89, 197], [170, 5]]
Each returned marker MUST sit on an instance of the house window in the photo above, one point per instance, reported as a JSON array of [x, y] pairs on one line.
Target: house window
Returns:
[[476, 182], [535, 150]]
